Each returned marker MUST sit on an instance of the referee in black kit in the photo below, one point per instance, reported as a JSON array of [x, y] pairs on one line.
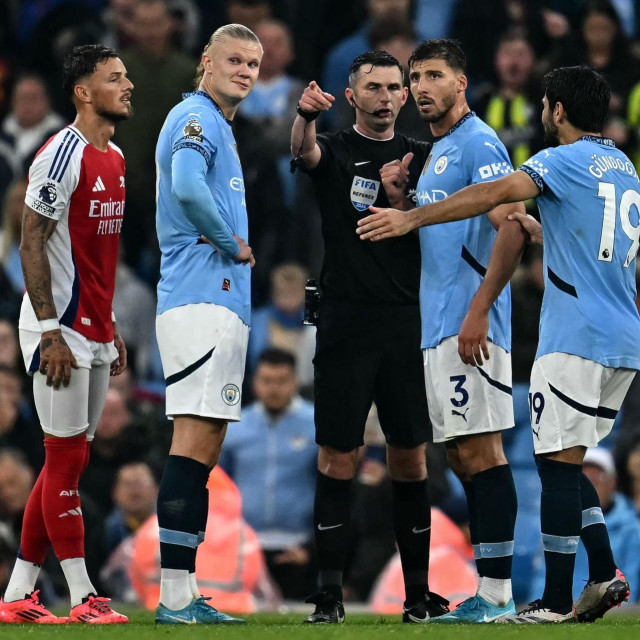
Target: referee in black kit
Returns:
[[368, 329]]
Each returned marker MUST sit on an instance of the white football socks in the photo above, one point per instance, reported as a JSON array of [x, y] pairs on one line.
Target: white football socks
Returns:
[[175, 588], [22, 581], [495, 591], [75, 571], [193, 584]]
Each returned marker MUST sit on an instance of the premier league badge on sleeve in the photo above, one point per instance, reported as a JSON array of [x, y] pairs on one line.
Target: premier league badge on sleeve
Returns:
[[193, 130], [48, 193], [364, 192]]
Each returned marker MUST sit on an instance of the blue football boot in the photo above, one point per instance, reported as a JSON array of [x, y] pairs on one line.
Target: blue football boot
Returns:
[[476, 610], [197, 612]]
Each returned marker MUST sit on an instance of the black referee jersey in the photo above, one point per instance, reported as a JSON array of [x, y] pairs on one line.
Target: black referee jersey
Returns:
[[347, 182]]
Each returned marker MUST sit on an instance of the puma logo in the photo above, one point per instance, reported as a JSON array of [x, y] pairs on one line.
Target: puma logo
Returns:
[[536, 433], [462, 415]]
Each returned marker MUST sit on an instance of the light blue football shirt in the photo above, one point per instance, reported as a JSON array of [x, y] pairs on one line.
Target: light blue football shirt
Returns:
[[192, 271], [589, 209], [455, 255]]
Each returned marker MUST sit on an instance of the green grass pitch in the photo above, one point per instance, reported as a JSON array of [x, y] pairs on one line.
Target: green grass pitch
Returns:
[[290, 627]]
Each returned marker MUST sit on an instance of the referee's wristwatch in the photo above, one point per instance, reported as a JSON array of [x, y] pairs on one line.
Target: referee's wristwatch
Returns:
[[309, 116]]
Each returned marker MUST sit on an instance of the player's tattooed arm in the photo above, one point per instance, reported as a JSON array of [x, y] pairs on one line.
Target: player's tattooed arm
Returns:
[[36, 231], [56, 358]]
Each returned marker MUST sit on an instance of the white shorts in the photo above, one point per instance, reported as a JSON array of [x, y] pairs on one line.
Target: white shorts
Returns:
[[465, 400], [573, 401], [203, 349], [70, 411]]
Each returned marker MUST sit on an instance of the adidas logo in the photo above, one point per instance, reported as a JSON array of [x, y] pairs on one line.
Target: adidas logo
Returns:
[[71, 512], [99, 185]]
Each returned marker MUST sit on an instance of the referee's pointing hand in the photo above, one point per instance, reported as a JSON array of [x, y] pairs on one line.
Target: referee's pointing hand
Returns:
[[315, 99]]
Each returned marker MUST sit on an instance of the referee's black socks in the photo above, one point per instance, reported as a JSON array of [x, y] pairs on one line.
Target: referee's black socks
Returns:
[[182, 511], [594, 535], [561, 522], [412, 525], [331, 513]]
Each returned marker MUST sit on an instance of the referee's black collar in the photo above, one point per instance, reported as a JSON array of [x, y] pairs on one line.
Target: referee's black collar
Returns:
[[457, 125], [598, 140], [200, 92]]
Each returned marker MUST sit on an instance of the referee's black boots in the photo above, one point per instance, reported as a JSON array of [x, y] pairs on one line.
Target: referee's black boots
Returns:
[[328, 609]]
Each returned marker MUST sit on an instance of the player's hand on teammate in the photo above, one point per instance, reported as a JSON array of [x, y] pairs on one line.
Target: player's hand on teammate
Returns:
[[56, 359], [120, 363], [245, 255], [315, 99], [472, 339], [383, 224], [395, 176], [530, 225]]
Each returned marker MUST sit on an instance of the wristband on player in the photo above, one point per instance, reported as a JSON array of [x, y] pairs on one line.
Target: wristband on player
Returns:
[[309, 116], [113, 317], [50, 324]]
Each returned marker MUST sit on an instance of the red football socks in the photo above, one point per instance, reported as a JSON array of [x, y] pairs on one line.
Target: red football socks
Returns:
[[87, 457], [34, 540], [65, 460]]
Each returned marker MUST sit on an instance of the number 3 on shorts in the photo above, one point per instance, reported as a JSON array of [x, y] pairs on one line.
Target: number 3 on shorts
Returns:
[[459, 381]]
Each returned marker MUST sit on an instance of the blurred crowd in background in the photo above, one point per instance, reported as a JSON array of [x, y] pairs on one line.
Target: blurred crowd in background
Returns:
[[270, 455]]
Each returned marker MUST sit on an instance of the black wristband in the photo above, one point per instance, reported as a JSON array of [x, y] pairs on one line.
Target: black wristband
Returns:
[[309, 116]]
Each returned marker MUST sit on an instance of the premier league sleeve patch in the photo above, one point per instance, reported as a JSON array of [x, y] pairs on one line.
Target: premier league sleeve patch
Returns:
[[193, 130], [43, 203], [193, 138], [48, 193], [364, 192]]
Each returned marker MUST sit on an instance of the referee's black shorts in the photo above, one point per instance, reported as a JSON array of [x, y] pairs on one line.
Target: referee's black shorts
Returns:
[[365, 355]]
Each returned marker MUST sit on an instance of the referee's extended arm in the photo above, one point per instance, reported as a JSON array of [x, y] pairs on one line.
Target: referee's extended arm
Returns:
[[303, 132]]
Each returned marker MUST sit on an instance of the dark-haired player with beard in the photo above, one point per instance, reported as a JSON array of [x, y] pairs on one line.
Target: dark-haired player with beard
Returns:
[[368, 337], [469, 405], [71, 226], [589, 200]]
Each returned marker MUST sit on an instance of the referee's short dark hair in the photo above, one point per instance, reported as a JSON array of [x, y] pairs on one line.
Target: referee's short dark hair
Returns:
[[372, 59], [584, 94], [441, 49], [82, 62], [275, 356]]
